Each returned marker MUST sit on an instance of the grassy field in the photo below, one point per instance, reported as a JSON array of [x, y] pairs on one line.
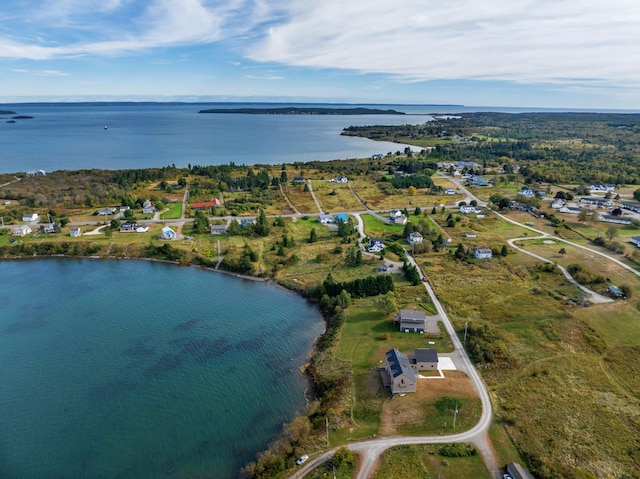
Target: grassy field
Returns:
[[335, 197], [425, 461], [174, 212], [301, 199]]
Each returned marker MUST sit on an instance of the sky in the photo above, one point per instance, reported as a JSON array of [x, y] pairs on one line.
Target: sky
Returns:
[[537, 53]]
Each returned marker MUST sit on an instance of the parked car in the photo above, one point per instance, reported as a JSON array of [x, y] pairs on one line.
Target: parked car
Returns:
[[302, 459]]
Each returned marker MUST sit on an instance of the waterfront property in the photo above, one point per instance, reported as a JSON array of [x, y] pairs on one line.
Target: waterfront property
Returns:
[[167, 233], [22, 230], [402, 377]]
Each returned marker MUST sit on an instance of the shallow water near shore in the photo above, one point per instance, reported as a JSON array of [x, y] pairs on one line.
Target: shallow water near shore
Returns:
[[113, 369]]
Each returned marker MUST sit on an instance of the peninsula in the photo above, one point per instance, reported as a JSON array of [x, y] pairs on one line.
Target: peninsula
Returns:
[[304, 111]]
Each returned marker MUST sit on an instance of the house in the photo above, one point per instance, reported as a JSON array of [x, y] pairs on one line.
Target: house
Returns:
[[29, 217], [341, 217], [596, 200], [470, 235], [133, 228], [147, 207], [402, 376], [621, 220], [377, 156], [482, 253], [49, 228], [635, 240], [123, 208], [106, 211], [244, 222], [393, 214], [75, 233], [467, 164], [22, 230], [342, 179], [425, 359], [449, 191], [526, 193], [574, 210], [516, 471], [31, 174], [167, 233], [557, 203], [218, 229], [635, 207], [466, 209], [411, 320], [298, 179], [375, 245], [325, 219], [214, 203], [602, 187], [415, 238], [400, 220], [141, 229]]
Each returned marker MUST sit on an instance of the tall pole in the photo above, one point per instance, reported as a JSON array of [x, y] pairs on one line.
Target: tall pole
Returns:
[[326, 422], [466, 324], [455, 414]]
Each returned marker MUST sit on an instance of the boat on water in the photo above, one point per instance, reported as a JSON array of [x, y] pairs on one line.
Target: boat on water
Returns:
[[106, 127]]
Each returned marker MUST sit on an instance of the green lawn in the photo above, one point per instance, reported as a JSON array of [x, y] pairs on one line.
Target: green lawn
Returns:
[[174, 212]]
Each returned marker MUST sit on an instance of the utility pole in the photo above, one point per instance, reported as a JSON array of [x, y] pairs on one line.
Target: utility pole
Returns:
[[466, 325], [455, 414], [326, 422]]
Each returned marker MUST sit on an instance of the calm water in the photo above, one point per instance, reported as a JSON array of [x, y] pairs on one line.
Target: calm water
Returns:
[[67, 136], [123, 369]]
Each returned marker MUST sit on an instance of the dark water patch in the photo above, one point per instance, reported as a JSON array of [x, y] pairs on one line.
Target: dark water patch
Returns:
[[205, 349], [111, 389], [251, 344], [140, 349], [25, 324], [186, 326], [165, 364]]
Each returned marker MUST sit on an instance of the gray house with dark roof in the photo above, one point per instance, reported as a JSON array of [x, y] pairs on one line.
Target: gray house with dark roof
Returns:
[[411, 321], [402, 376], [425, 359]]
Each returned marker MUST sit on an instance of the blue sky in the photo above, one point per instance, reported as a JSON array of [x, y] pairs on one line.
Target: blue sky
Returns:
[[538, 53]]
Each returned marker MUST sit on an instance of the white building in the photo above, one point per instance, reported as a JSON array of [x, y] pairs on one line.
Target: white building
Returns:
[[22, 230], [415, 238], [29, 217], [482, 253]]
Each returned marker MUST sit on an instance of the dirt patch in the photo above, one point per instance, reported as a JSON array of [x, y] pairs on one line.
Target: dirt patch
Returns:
[[414, 408]]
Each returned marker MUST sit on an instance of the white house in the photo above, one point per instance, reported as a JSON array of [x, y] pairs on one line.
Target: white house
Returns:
[[557, 203], [325, 219], [75, 232], [49, 228], [526, 192], [375, 245], [147, 207], [415, 238], [218, 229], [29, 217], [449, 191], [342, 179], [622, 220], [22, 230], [106, 211], [635, 240], [466, 209], [598, 201], [482, 253], [167, 233], [393, 214]]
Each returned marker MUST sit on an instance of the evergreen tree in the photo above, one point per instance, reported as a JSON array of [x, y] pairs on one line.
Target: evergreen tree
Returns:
[[313, 237]]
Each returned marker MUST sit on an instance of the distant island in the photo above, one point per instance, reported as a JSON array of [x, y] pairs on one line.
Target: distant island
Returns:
[[304, 111], [7, 112]]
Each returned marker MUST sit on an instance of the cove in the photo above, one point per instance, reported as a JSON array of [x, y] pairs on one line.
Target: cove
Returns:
[[112, 369]]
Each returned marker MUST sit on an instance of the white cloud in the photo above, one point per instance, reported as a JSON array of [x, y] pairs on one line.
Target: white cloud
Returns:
[[527, 41]]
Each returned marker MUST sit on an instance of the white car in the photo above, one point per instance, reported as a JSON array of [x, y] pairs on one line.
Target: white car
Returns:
[[302, 459], [506, 476]]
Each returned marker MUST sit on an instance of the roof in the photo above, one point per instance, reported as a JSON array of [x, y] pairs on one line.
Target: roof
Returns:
[[207, 204], [399, 364], [412, 314], [425, 355], [517, 471], [166, 229]]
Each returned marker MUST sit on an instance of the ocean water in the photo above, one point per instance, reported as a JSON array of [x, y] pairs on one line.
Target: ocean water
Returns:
[[73, 136], [132, 369]]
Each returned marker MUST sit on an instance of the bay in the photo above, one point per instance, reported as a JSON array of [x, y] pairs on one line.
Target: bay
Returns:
[[73, 136], [112, 369]]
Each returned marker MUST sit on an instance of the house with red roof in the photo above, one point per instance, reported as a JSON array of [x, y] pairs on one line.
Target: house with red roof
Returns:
[[207, 204]]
